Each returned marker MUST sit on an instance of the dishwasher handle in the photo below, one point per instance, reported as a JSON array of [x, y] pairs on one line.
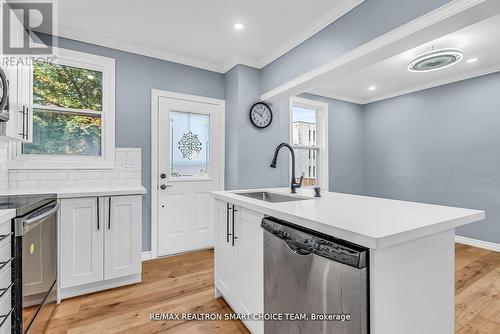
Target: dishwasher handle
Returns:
[[297, 250], [303, 241]]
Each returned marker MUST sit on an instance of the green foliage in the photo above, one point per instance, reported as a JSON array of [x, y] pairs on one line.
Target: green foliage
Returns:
[[66, 133], [67, 87]]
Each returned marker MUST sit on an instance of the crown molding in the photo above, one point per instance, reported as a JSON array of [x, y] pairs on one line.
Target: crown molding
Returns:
[[324, 21], [306, 80], [99, 40], [222, 67], [432, 84]]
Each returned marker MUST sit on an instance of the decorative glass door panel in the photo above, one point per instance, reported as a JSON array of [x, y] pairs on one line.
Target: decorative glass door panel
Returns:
[[190, 145]]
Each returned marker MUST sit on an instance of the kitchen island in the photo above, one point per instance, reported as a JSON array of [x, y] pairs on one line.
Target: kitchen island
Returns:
[[410, 246]]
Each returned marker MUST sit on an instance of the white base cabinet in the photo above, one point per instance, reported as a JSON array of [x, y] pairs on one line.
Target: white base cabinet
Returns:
[[239, 261], [100, 242]]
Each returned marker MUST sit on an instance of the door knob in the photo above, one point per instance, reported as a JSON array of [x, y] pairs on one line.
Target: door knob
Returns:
[[163, 175], [164, 186]]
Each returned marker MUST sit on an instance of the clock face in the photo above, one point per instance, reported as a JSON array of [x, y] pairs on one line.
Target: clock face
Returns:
[[261, 115]]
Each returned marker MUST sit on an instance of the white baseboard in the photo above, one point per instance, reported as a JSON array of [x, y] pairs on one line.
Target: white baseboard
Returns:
[[478, 243], [146, 255], [98, 286]]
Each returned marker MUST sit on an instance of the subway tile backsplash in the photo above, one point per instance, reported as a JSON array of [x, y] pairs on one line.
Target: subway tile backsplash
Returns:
[[127, 171]]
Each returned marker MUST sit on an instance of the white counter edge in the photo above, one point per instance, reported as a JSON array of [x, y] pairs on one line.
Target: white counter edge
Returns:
[[76, 191], [354, 237]]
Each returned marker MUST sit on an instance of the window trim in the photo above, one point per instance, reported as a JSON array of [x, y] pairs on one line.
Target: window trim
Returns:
[[321, 134], [107, 159]]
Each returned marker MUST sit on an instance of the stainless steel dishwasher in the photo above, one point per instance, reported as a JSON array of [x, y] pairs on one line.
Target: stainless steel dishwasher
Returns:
[[308, 274]]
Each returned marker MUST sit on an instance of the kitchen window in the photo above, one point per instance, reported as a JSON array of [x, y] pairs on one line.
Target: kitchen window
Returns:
[[73, 113], [309, 138]]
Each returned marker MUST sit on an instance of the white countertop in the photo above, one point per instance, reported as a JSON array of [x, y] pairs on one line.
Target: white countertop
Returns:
[[368, 221], [79, 191], [7, 215]]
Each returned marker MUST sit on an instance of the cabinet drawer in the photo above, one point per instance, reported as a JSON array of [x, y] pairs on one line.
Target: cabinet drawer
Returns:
[[5, 276], [5, 228], [5, 311], [6, 324], [5, 250], [5, 301]]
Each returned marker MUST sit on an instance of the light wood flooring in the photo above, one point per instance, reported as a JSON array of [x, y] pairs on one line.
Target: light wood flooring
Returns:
[[184, 284]]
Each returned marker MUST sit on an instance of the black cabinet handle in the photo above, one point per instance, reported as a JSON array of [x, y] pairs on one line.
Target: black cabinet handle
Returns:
[[109, 213], [233, 236], [24, 122], [227, 222], [98, 222]]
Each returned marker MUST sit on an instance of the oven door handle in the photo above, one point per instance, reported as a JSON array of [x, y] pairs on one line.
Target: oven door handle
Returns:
[[42, 216]]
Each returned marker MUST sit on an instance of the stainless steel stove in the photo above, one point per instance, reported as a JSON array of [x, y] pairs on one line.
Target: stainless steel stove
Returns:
[[25, 203], [34, 265]]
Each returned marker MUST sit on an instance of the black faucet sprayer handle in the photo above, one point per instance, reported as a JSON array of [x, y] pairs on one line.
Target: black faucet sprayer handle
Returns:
[[300, 182]]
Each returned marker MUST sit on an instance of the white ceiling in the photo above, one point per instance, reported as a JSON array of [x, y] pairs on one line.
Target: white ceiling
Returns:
[[391, 77], [200, 32]]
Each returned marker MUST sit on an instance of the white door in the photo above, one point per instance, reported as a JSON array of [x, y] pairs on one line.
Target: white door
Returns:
[[190, 162], [122, 237], [81, 240]]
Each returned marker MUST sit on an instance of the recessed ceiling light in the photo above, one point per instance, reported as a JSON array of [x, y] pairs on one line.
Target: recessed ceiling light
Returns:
[[372, 88], [472, 60], [435, 60], [239, 26]]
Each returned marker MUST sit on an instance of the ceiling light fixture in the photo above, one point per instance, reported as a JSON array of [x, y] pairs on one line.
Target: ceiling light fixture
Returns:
[[472, 60], [239, 26], [435, 60], [372, 88]]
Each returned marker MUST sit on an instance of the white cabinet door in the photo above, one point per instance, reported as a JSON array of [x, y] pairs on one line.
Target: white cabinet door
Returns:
[[249, 262], [11, 131], [20, 124], [24, 110], [224, 252], [122, 253], [81, 241]]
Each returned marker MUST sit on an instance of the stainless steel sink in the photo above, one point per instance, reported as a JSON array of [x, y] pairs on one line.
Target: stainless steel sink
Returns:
[[272, 197]]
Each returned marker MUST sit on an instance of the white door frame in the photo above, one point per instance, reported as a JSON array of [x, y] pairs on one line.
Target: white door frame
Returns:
[[155, 95]]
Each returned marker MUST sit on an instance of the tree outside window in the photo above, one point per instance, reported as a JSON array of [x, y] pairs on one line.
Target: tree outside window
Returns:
[[67, 111]]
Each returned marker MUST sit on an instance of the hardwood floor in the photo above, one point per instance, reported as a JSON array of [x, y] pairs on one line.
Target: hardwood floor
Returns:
[[477, 303], [184, 284]]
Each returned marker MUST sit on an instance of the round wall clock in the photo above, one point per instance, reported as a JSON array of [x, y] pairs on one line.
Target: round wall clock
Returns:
[[261, 115]]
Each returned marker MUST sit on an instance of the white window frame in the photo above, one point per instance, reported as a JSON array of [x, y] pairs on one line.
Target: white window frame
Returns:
[[321, 136], [107, 159]]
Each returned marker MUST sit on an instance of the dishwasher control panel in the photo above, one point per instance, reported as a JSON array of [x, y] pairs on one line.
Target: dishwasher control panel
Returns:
[[307, 241]]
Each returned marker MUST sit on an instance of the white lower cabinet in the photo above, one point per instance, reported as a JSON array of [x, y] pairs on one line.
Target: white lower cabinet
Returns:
[[122, 242], [239, 262], [81, 242], [100, 240]]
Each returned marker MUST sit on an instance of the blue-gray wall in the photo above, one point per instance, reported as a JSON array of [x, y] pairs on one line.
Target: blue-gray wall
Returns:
[[345, 144], [441, 146], [135, 77], [369, 20], [249, 150]]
